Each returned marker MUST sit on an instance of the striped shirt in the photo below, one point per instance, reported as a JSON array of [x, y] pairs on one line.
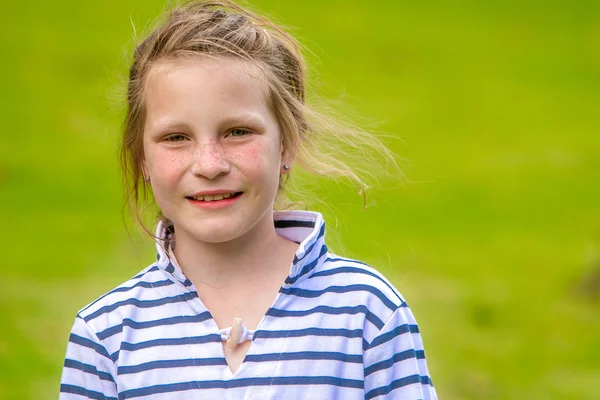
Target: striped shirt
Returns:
[[337, 330]]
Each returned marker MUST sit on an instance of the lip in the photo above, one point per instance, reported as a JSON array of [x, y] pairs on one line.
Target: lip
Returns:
[[214, 204], [213, 192]]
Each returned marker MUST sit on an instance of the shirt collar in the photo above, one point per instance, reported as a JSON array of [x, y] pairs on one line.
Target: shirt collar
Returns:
[[304, 227]]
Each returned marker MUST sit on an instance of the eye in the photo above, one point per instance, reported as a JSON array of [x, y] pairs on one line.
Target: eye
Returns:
[[175, 137], [237, 132]]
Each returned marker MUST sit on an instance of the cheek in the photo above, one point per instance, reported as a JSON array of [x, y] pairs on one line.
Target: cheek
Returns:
[[260, 158], [164, 167]]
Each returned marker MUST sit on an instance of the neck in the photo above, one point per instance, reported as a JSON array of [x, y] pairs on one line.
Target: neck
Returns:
[[247, 258]]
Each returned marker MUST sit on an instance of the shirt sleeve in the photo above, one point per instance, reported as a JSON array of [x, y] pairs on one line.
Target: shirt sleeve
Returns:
[[394, 361], [88, 372]]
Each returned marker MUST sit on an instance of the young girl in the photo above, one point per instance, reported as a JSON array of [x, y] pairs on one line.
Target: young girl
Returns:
[[243, 302]]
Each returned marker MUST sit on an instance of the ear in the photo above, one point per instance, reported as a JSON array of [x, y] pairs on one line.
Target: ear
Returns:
[[144, 169], [287, 159]]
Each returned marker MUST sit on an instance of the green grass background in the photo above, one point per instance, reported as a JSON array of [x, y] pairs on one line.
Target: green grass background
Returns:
[[495, 243]]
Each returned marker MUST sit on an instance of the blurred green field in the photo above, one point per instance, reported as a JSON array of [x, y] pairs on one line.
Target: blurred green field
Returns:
[[495, 242]]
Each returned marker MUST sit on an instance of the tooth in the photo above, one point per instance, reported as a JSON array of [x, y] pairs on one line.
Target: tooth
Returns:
[[215, 197]]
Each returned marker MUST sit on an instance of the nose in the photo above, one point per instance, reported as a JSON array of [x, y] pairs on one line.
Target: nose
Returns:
[[210, 160]]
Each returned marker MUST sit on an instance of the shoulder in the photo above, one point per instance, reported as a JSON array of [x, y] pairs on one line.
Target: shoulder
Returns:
[[149, 287], [356, 274], [349, 283], [387, 308]]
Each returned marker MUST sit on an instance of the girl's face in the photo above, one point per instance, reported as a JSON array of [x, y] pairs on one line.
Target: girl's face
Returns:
[[212, 148]]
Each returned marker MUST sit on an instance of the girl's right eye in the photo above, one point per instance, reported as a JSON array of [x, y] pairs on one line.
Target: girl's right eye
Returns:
[[176, 137]]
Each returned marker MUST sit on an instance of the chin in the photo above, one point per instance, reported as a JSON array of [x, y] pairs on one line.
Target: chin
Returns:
[[217, 231], [220, 227]]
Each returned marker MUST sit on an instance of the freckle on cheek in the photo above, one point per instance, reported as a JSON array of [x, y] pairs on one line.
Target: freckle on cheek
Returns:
[[169, 165]]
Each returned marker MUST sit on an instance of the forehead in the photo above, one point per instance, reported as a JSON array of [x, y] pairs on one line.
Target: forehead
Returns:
[[203, 91], [217, 69]]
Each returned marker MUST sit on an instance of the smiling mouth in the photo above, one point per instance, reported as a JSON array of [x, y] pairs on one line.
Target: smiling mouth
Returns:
[[215, 197]]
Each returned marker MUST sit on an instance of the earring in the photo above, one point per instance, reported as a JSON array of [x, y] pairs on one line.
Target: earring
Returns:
[[286, 167], [147, 178]]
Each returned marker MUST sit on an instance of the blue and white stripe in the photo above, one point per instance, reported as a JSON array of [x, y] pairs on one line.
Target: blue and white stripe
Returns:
[[337, 330]]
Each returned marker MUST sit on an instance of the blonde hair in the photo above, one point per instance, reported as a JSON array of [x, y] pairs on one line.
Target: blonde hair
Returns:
[[321, 144]]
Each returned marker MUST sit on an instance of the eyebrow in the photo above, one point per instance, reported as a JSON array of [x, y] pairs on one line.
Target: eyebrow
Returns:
[[168, 123], [245, 118]]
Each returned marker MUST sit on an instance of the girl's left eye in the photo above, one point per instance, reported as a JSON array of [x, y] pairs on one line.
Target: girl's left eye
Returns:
[[238, 132]]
